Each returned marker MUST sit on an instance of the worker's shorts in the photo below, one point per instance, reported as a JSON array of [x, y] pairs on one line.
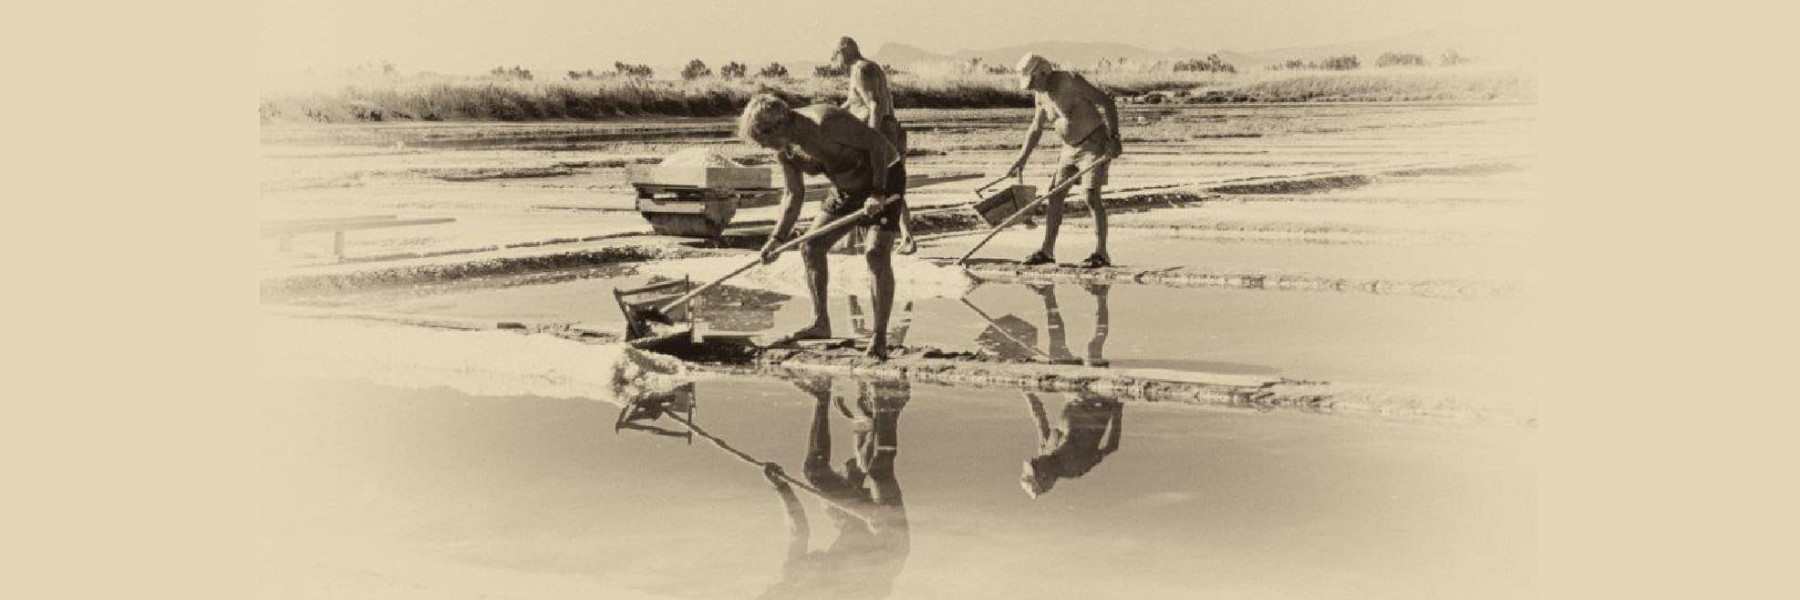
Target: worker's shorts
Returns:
[[1081, 155], [841, 203]]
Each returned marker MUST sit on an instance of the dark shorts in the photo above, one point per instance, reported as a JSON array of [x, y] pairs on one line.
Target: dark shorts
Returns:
[[840, 203]]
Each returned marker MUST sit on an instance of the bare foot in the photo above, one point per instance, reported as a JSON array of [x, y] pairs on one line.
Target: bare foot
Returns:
[[877, 350], [817, 331]]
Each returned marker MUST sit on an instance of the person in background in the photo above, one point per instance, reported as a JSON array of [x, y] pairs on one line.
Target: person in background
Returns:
[[870, 99], [1066, 102]]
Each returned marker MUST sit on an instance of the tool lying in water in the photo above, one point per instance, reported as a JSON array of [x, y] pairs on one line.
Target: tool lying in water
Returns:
[[1021, 213], [639, 317]]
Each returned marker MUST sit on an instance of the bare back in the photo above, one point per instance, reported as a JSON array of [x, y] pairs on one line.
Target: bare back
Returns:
[[872, 100]]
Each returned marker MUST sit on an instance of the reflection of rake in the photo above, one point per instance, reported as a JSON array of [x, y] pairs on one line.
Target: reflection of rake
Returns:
[[635, 407], [1003, 332]]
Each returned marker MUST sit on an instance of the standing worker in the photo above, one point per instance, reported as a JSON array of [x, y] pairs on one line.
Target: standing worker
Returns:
[[826, 140], [871, 100], [1067, 102]]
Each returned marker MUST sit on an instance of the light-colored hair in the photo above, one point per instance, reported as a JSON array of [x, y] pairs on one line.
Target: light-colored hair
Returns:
[[1033, 63], [848, 49], [763, 116]]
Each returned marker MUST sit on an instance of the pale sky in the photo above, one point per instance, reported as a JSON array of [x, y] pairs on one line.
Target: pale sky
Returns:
[[468, 36]]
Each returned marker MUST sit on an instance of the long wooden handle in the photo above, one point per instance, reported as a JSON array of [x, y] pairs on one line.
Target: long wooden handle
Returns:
[[790, 245], [1019, 215]]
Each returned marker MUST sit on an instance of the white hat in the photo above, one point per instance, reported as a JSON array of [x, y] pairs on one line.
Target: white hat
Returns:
[[1032, 64]]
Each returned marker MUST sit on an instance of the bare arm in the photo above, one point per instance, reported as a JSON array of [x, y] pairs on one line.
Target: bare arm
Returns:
[[799, 532], [793, 194], [881, 156], [1037, 415], [1033, 133], [868, 83], [1113, 429]]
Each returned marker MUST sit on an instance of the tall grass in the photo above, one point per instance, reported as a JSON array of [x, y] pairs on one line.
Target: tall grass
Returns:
[[432, 98]]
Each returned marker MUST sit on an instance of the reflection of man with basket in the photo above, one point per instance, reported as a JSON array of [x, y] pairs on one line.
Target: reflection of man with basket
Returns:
[[1071, 105]]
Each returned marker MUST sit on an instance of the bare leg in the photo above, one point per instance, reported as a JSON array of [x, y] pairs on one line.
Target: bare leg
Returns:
[[1099, 210], [1102, 324], [1053, 213], [881, 269], [818, 280], [1053, 322]]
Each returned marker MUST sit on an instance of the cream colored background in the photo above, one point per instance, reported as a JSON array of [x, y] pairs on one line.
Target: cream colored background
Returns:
[[1666, 416]]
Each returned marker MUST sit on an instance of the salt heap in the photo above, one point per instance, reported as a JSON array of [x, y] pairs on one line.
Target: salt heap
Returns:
[[699, 157]]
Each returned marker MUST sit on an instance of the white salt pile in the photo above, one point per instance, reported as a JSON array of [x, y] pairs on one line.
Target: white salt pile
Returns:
[[699, 157], [480, 363]]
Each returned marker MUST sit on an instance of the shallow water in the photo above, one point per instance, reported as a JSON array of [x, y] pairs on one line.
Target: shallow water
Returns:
[[1449, 345], [377, 492]]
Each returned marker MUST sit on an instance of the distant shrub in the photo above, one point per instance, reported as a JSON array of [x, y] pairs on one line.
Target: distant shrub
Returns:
[[774, 70], [1347, 62], [1398, 59], [695, 69], [632, 71], [828, 71], [1452, 58], [514, 73], [733, 70], [1340, 63], [1211, 64], [580, 75]]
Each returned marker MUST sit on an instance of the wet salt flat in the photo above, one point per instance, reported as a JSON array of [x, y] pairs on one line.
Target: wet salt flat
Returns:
[[418, 462], [381, 492], [1470, 346]]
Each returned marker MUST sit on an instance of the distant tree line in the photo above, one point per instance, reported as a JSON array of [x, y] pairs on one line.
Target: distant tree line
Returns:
[[1449, 58], [1346, 62]]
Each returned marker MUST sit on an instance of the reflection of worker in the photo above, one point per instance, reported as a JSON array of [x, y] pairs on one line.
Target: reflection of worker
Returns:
[[859, 161], [866, 556], [1014, 339], [1102, 324], [1088, 433], [870, 99], [1073, 107]]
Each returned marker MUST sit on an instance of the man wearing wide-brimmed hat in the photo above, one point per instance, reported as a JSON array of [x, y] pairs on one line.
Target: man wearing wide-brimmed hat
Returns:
[[1067, 102]]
